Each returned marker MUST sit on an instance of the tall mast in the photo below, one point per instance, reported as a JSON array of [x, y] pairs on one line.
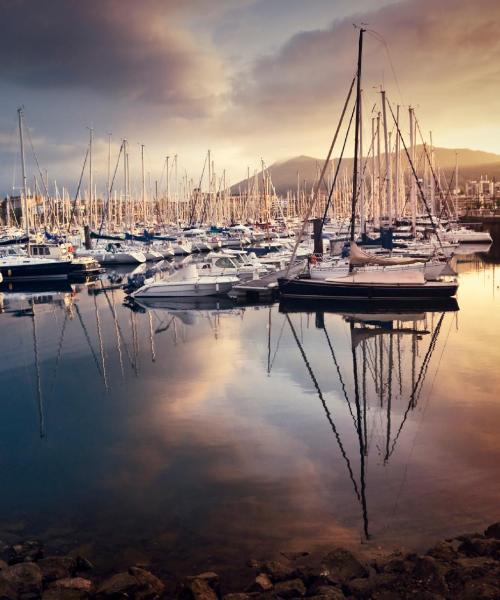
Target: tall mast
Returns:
[[396, 174], [168, 187], [387, 174], [434, 207], [91, 182], [108, 194], [356, 140], [362, 182], [176, 192], [125, 179], [143, 181], [24, 203], [413, 189]]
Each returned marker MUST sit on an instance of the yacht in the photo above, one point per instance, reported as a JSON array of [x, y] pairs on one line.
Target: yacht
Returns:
[[187, 282]]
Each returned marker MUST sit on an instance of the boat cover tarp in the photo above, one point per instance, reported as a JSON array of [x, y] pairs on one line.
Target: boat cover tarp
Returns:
[[358, 257]]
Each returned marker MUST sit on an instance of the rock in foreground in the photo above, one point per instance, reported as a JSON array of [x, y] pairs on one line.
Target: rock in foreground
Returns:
[[466, 567]]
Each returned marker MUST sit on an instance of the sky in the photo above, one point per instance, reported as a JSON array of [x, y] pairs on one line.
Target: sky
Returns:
[[250, 80]]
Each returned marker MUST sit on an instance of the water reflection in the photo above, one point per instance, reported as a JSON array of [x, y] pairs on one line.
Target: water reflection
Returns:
[[379, 343], [188, 432]]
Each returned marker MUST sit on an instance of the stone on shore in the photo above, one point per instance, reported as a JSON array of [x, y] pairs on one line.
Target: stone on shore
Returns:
[[294, 588], [262, 583], [493, 531], [29, 551], [25, 578], [340, 566], [278, 571], [136, 582], [56, 567]]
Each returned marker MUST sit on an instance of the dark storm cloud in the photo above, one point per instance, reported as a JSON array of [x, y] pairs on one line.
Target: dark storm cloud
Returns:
[[128, 48]]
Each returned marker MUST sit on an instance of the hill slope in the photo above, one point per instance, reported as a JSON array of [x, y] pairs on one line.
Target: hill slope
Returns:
[[471, 165]]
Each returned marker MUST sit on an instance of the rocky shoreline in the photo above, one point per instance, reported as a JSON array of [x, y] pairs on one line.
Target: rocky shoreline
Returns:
[[465, 567]]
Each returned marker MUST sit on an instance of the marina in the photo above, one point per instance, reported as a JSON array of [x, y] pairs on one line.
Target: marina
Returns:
[[249, 300]]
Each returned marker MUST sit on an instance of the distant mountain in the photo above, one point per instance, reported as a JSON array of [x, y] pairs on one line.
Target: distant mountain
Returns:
[[471, 165]]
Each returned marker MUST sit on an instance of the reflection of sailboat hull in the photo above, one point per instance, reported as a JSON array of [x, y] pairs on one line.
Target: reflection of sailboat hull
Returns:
[[339, 290], [200, 303], [347, 306], [36, 286]]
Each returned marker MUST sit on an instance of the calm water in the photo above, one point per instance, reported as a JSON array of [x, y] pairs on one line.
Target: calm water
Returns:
[[196, 438]]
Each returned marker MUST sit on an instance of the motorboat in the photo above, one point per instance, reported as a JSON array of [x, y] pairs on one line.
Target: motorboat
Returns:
[[114, 253], [223, 263], [187, 282], [82, 265], [468, 236]]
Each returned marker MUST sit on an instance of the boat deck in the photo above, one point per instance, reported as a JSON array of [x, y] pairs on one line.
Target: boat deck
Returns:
[[266, 287]]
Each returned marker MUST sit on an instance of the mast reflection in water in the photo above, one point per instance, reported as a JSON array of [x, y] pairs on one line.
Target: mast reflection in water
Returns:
[[374, 336]]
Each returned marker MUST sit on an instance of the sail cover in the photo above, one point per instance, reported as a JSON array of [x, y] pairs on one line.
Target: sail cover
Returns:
[[359, 257]]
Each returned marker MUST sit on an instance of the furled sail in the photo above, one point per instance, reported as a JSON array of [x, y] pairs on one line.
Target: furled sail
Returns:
[[358, 257]]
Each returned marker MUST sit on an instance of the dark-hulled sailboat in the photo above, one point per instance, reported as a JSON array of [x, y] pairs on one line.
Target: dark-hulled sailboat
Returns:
[[368, 277]]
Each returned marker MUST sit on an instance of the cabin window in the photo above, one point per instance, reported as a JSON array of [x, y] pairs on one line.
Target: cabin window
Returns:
[[34, 251], [224, 263], [46, 251]]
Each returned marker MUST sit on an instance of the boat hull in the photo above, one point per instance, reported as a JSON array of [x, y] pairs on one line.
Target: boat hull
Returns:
[[46, 271], [317, 289], [183, 290]]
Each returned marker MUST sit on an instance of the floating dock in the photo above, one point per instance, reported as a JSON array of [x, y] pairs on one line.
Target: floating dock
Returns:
[[264, 288]]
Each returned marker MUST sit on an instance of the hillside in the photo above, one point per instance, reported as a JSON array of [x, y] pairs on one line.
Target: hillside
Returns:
[[471, 165]]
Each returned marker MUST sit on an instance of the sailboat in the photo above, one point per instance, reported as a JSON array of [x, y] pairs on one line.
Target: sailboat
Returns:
[[369, 276], [23, 266]]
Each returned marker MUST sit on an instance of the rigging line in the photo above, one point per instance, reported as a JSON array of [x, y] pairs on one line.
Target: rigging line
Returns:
[[37, 163], [117, 332], [334, 358], [365, 166], [118, 328], [337, 168], [101, 346], [405, 473], [73, 207], [381, 39], [105, 210], [417, 180], [323, 172], [192, 214], [427, 358], [160, 181], [278, 343], [327, 411], [88, 339], [151, 338]]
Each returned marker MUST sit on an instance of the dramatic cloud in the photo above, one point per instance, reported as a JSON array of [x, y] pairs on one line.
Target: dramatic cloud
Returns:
[[443, 56], [139, 50], [245, 78]]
